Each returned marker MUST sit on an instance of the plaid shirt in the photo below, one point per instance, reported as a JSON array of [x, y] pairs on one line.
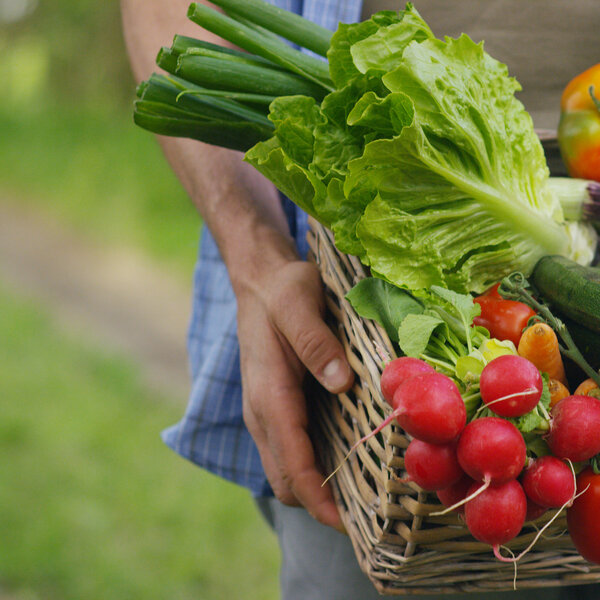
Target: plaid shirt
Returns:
[[212, 433]]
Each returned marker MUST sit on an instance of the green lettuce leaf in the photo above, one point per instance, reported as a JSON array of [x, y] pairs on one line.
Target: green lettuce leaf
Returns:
[[460, 196], [295, 181], [383, 50], [341, 63]]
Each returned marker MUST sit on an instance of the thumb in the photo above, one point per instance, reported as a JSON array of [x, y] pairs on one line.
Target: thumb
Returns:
[[299, 318]]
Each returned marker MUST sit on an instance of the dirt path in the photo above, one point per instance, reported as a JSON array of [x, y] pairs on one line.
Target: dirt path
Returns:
[[117, 298]]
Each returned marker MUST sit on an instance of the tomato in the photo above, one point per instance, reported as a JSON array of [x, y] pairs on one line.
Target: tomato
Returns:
[[504, 319], [583, 519], [579, 125]]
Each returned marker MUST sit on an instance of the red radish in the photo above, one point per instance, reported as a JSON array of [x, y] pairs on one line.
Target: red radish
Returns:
[[582, 516], [549, 482], [496, 515], [491, 450], [456, 492], [575, 428], [432, 466], [430, 408], [399, 370], [510, 385], [534, 511]]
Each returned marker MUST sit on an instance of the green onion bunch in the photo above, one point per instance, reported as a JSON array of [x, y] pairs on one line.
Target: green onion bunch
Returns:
[[220, 95]]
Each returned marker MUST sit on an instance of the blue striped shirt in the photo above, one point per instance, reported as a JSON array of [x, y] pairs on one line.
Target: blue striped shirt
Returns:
[[212, 433]]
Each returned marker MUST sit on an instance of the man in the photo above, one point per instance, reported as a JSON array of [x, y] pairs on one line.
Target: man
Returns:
[[258, 326]]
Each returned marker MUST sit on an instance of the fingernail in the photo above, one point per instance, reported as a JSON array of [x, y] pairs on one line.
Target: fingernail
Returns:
[[335, 375]]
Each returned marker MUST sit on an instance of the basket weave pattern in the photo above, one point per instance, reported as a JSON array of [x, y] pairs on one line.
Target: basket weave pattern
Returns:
[[398, 545]]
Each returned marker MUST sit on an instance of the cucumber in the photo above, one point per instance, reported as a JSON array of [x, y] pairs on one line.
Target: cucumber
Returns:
[[570, 289], [588, 343]]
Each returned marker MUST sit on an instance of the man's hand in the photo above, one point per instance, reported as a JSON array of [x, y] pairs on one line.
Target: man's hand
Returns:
[[282, 333]]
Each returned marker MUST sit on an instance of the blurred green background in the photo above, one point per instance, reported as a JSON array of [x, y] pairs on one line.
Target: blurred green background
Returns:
[[92, 504]]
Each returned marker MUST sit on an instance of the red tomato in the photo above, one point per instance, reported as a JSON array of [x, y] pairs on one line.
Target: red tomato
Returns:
[[504, 319], [582, 518]]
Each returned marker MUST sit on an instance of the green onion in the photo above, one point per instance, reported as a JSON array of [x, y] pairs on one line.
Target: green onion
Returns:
[[231, 74], [266, 46], [182, 44], [235, 135], [168, 89], [243, 58], [288, 25], [167, 106], [167, 59], [243, 97]]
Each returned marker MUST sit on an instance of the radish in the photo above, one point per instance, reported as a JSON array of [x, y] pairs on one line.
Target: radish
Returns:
[[496, 515], [432, 466], [398, 371], [430, 408], [549, 482], [575, 428], [455, 493], [534, 511], [491, 450], [510, 385]]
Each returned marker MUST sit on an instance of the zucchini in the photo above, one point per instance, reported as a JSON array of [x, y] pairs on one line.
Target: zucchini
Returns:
[[587, 341], [570, 289]]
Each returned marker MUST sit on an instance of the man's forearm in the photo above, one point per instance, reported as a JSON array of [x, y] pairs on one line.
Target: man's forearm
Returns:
[[241, 208]]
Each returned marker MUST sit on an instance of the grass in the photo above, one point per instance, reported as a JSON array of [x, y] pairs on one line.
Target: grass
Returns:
[[93, 504], [97, 172]]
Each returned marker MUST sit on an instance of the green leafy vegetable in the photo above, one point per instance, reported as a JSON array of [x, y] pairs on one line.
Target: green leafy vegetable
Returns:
[[437, 327], [416, 332], [388, 305], [413, 150]]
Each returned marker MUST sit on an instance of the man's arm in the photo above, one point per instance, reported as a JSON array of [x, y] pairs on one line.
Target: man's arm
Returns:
[[280, 298]]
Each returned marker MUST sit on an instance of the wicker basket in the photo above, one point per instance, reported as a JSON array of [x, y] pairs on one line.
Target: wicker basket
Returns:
[[398, 545]]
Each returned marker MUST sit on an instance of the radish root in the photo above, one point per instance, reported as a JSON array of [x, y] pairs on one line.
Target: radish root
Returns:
[[362, 440], [382, 352], [526, 392]]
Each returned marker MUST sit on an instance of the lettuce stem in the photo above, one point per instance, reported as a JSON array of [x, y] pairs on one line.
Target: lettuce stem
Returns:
[[548, 235]]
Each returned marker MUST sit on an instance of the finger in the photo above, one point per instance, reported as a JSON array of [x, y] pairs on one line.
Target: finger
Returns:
[[274, 475], [288, 460], [293, 452], [297, 312], [267, 366]]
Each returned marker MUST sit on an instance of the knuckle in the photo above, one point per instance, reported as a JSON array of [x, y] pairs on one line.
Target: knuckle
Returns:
[[248, 418], [282, 299], [252, 411], [312, 348], [283, 492], [297, 284]]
